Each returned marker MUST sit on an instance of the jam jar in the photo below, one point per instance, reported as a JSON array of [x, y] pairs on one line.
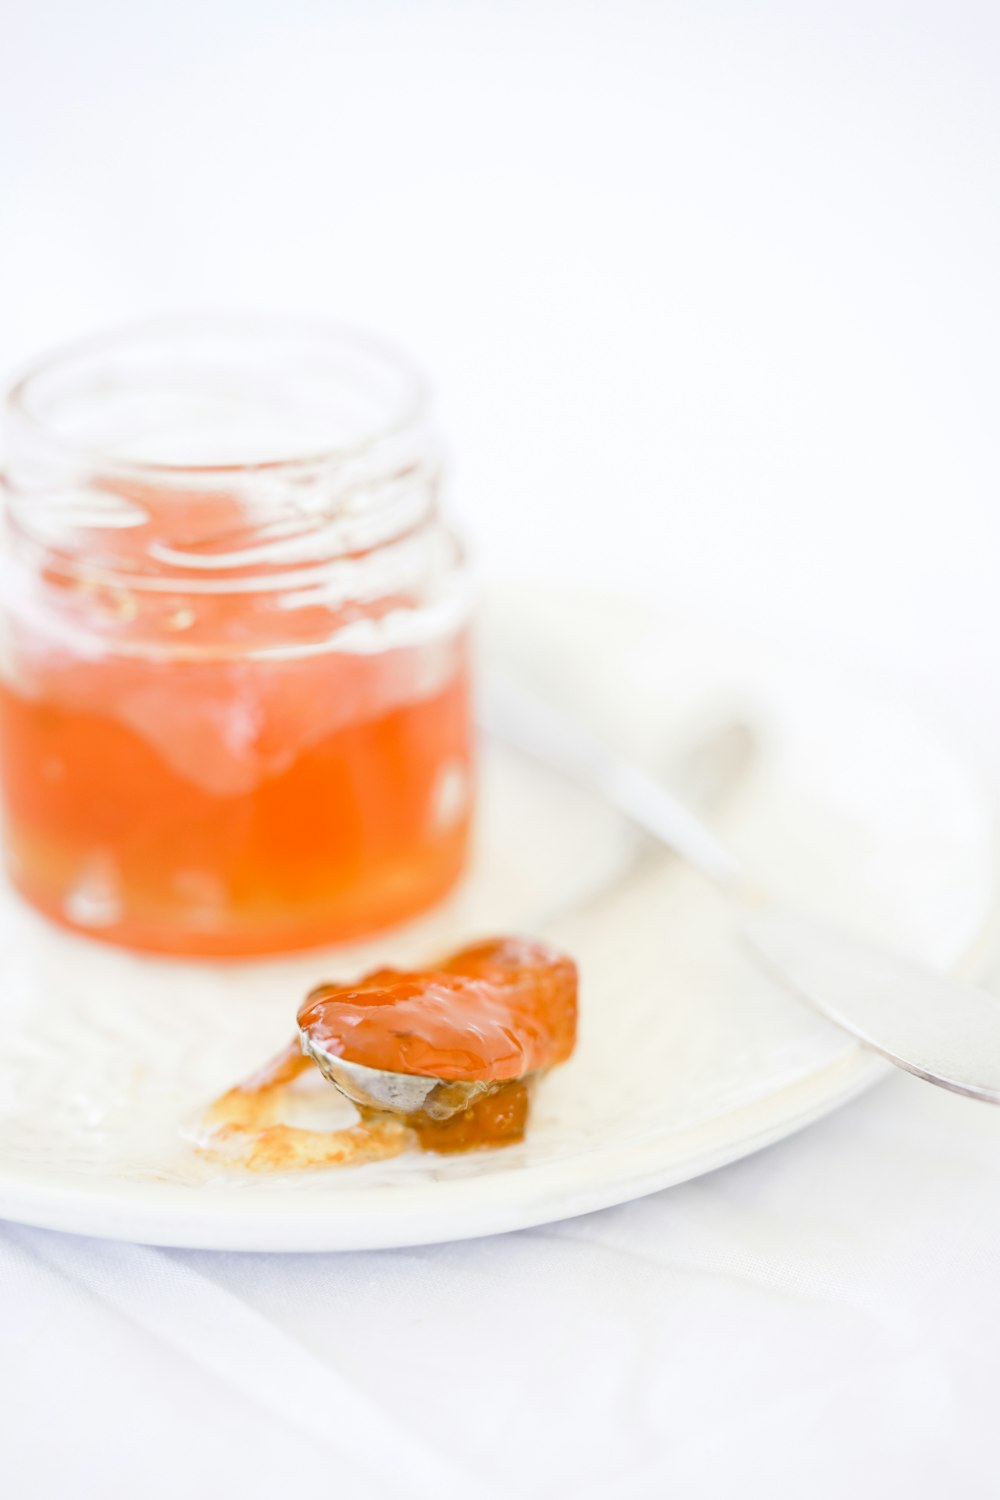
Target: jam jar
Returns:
[[234, 699]]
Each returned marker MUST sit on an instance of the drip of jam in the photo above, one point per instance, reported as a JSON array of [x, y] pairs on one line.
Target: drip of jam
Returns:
[[497, 1119], [499, 1010]]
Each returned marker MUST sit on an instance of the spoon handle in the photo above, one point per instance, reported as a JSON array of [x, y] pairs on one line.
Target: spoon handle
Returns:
[[517, 718], [930, 1024]]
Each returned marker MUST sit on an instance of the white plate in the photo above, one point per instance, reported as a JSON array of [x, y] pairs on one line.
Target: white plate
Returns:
[[688, 1057]]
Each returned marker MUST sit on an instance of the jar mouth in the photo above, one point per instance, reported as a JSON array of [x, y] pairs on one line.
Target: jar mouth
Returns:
[[216, 396], [217, 447]]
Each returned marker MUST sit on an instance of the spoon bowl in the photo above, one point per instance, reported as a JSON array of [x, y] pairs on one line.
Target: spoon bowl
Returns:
[[395, 1093]]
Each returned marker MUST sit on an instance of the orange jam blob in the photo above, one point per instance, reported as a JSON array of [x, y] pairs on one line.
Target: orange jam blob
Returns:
[[496, 1119], [498, 1010]]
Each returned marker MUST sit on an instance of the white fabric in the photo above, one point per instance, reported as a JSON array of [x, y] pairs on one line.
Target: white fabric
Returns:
[[816, 1320]]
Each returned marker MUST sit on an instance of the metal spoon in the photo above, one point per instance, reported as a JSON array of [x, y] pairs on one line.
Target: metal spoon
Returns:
[[939, 1028], [394, 1093]]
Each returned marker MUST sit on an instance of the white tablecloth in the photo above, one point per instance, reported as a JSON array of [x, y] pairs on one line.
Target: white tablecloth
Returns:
[[816, 1320]]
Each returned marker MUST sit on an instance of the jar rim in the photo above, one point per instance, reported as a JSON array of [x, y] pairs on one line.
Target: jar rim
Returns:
[[406, 411]]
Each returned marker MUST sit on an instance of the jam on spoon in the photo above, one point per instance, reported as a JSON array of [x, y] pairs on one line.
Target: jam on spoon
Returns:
[[442, 1058]]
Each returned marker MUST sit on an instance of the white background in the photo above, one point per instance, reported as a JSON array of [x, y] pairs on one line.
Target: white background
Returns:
[[708, 293]]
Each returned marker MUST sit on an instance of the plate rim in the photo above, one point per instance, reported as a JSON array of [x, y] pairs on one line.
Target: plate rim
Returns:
[[142, 1212]]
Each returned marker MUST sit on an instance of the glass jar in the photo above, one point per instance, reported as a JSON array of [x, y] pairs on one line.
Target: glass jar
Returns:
[[234, 699]]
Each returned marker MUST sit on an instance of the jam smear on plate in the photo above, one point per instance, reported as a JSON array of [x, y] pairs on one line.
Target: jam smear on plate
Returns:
[[492, 1016]]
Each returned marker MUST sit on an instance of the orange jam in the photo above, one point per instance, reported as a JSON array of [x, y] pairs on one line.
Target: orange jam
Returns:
[[213, 809], [498, 1119], [234, 697], [495, 1014], [500, 1010]]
